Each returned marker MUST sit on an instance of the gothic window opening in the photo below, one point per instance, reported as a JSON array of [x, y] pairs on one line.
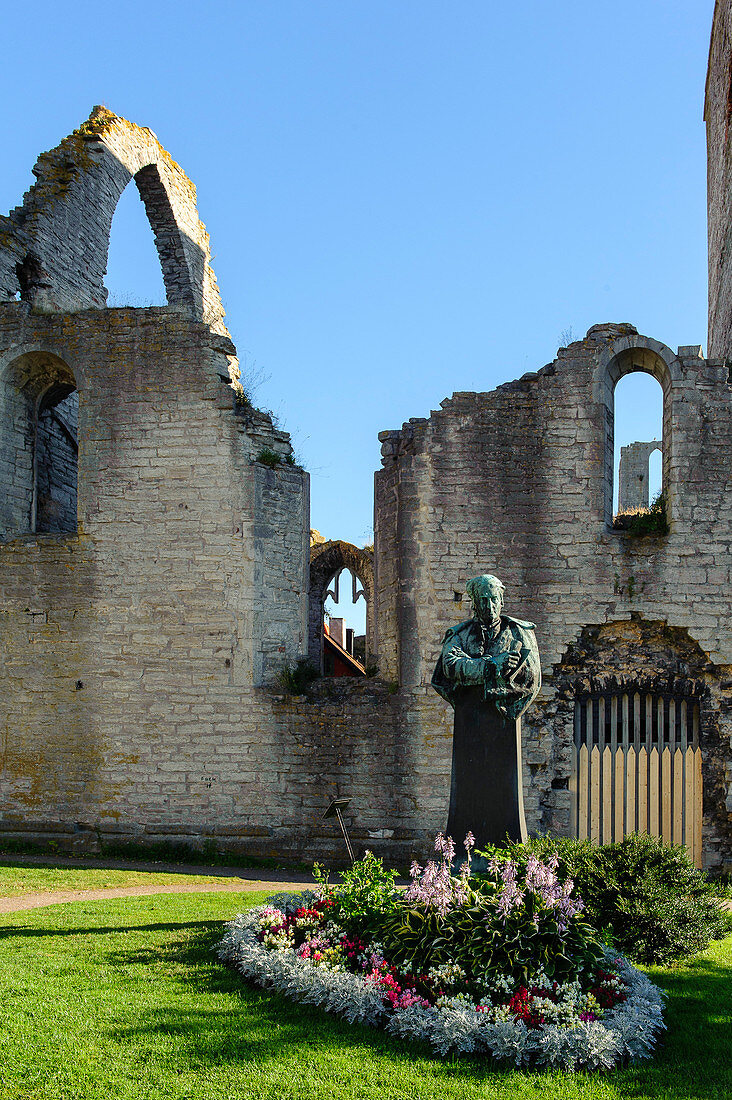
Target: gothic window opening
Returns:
[[342, 606], [39, 447], [134, 273], [344, 625]]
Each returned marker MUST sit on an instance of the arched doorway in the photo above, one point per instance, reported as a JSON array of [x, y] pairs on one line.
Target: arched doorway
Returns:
[[638, 717]]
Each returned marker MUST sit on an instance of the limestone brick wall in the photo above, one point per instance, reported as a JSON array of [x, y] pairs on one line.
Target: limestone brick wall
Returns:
[[130, 651], [718, 118], [152, 592], [517, 482]]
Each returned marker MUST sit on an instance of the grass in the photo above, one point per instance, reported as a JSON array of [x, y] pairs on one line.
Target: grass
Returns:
[[16, 880], [125, 998]]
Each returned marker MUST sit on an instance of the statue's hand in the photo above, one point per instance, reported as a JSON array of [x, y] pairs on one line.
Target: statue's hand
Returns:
[[509, 665], [506, 664]]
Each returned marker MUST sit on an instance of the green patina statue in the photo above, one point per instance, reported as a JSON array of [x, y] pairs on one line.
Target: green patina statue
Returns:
[[489, 670]]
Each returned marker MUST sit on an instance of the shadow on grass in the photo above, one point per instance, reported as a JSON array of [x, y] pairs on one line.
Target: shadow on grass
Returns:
[[235, 1022], [692, 1062], [19, 931]]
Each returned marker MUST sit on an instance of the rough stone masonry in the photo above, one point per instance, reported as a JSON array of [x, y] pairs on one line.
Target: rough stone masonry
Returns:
[[144, 630]]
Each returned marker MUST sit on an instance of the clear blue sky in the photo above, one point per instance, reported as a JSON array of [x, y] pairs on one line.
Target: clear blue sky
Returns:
[[405, 197]]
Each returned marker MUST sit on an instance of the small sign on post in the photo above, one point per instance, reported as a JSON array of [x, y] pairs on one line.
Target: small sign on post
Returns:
[[334, 810]]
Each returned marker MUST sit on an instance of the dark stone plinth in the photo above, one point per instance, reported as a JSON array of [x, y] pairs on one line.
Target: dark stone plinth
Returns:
[[486, 794]]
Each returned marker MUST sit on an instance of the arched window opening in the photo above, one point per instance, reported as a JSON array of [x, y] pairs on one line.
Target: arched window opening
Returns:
[[341, 619], [636, 435], [134, 274], [39, 448], [655, 473], [56, 459], [344, 623]]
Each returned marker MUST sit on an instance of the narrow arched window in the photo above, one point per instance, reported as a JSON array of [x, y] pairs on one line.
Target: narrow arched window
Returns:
[[341, 605], [56, 458], [39, 447], [134, 275], [344, 625], [638, 443]]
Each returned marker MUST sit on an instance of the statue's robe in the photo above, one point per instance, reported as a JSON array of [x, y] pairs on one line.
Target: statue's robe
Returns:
[[486, 796]]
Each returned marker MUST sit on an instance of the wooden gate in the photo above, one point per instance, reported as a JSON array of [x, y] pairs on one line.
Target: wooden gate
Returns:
[[637, 768]]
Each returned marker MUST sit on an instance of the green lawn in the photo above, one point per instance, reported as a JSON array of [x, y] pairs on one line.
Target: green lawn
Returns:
[[17, 879], [124, 998]]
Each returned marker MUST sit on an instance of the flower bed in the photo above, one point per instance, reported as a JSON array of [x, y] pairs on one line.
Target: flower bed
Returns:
[[500, 965]]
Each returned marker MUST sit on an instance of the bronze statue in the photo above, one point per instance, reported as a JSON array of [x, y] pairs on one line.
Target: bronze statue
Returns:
[[489, 670]]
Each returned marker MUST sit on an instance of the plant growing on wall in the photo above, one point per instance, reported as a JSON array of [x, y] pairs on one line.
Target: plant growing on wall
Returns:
[[644, 521]]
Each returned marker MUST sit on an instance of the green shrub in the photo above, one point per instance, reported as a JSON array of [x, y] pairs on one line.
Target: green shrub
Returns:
[[364, 896], [297, 679], [646, 897], [644, 521], [722, 885], [269, 458]]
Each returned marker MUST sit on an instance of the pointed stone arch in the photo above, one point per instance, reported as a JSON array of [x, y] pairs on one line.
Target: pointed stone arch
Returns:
[[53, 248], [327, 559]]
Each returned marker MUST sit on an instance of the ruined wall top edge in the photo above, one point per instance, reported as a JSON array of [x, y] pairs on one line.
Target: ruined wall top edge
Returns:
[[586, 371], [54, 247]]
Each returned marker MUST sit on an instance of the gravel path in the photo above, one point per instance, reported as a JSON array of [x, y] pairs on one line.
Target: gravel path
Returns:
[[61, 897], [239, 880]]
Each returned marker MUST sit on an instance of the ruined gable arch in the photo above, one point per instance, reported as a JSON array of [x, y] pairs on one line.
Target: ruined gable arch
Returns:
[[177, 278], [620, 357], [56, 244], [326, 560]]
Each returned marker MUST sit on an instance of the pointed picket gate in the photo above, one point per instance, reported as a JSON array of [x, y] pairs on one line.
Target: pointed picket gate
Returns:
[[638, 768]]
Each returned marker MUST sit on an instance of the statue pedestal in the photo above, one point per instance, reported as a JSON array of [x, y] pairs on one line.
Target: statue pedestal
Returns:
[[486, 793]]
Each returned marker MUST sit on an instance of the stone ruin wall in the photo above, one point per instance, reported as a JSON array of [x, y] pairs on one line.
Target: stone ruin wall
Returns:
[[140, 654], [718, 118], [53, 248], [140, 651], [517, 482], [633, 475]]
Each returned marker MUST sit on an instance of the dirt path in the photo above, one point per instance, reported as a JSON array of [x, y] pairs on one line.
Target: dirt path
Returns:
[[61, 897]]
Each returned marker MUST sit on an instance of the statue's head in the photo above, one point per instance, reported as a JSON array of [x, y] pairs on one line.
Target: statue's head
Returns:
[[486, 592]]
